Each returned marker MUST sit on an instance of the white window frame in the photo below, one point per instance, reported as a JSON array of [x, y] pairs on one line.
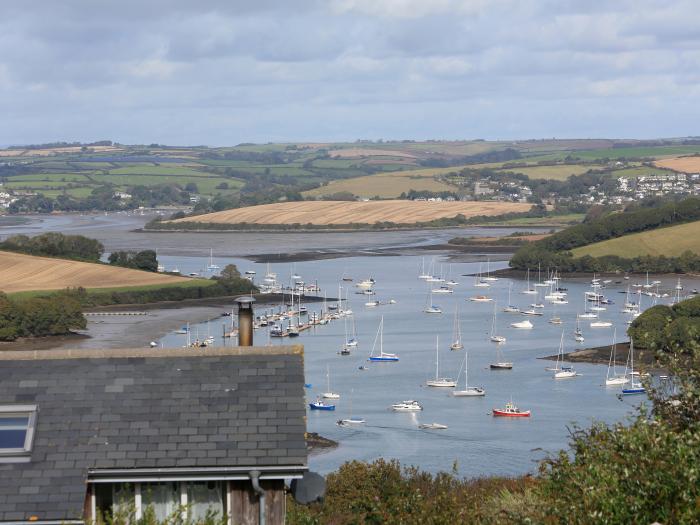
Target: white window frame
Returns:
[[20, 411]]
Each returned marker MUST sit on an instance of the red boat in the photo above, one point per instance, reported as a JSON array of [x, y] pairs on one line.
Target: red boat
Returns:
[[510, 410]]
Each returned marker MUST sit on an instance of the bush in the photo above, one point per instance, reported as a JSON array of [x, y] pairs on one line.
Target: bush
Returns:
[[55, 245], [384, 492], [58, 314], [144, 260]]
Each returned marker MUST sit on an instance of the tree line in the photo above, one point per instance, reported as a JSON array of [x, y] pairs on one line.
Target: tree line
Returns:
[[53, 244]]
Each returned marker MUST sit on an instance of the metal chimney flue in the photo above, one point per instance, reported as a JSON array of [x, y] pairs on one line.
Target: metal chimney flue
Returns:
[[245, 320]]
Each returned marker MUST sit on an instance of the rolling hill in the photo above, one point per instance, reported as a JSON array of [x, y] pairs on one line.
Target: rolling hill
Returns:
[[22, 273], [671, 241]]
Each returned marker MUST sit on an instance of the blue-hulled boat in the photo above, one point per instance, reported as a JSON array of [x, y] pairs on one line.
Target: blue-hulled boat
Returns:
[[382, 356], [320, 405], [635, 387]]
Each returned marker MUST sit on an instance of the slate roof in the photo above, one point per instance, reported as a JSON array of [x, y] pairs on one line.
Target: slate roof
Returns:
[[123, 409]]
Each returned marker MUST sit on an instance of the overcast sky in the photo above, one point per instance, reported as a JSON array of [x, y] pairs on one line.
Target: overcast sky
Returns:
[[222, 72]]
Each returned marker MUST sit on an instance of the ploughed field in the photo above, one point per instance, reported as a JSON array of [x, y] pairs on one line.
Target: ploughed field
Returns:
[[323, 213], [671, 241], [22, 273]]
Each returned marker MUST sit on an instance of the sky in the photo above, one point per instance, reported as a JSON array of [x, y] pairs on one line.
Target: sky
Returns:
[[222, 72]]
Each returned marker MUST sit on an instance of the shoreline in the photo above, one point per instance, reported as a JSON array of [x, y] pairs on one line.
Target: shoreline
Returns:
[[158, 320], [363, 229], [319, 255], [600, 355], [522, 274]]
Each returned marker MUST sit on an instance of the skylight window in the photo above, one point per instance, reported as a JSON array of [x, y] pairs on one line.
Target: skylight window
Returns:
[[16, 429]]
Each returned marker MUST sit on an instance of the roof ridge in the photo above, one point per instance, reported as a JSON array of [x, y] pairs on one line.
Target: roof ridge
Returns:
[[107, 353]]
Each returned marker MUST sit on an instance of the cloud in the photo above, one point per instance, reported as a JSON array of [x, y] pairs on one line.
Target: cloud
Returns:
[[221, 72]]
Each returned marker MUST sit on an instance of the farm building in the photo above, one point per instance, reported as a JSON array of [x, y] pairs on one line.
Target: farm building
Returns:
[[83, 432]]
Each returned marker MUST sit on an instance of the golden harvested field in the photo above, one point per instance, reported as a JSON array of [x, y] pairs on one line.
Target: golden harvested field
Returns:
[[682, 164], [345, 212], [21, 273], [557, 172], [671, 241]]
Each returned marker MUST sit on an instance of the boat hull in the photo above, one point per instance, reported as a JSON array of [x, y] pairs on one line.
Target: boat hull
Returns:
[[469, 392], [501, 366], [501, 413], [314, 406], [383, 359], [441, 383]]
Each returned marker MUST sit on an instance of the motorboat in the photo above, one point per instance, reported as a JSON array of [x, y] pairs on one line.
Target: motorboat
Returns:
[[319, 404], [481, 299], [350, 422], [407, 406], [526, 324], [600, 324], [510, 410]]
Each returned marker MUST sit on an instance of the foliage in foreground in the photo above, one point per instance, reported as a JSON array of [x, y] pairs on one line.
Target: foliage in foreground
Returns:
[[384, 492], [39, 316], [127, 516], [645, 472]]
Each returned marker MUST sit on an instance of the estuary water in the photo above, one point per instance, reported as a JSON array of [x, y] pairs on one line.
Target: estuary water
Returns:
[[475, 441]]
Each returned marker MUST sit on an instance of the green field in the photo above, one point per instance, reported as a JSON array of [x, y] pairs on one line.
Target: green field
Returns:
[[367, 169], [556, 172], [671, 241], [192, 283], [638, 171], [163, 169], [50, 177], [542, 222]]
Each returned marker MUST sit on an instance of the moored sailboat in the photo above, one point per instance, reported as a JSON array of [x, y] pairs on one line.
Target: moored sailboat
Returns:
[[469, 391], [381, 356], [456, 333], [495, 338], [614, 379], [439, 381]]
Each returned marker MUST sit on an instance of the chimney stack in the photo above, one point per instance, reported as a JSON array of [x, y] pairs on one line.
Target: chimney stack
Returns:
[[245, 320]]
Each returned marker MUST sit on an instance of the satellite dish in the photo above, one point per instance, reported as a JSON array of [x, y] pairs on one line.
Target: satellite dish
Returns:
[[309, 489]]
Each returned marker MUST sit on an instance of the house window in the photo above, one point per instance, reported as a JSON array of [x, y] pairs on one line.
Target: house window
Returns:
[[116, 500], [17, 424], [162, 498], [205, 499]]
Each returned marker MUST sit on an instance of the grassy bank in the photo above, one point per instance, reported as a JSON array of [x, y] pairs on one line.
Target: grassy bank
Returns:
[[671, 241], [193, 289], [193, 283]]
